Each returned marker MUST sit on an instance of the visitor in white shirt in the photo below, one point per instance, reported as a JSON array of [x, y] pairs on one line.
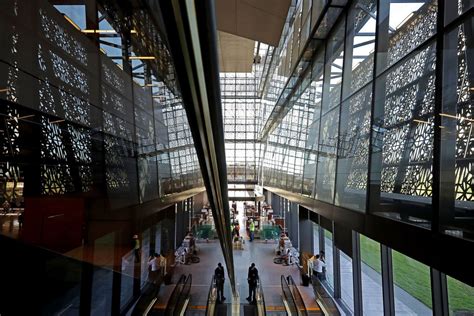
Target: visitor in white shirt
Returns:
[[154, 268], [318, 265]]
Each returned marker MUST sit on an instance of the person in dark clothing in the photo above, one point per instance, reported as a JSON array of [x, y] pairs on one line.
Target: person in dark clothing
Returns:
[[136, 248], [20, 220], [220, 278], [252, 279]]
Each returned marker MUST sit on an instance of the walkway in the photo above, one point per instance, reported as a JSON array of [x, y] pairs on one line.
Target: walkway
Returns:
[[9, 224], [258, 252]]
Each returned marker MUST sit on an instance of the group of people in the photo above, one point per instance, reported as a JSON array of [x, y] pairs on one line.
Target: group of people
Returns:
[[252, 279]]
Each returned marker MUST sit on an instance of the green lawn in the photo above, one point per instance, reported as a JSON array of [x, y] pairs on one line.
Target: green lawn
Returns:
[[414, 277]]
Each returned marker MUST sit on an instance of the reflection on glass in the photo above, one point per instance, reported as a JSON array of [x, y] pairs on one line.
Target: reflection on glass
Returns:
[[360, 45], [311, 154], [328, 250], [353, 150], [460, 297], [325, 178], [102, 277], [455, 8], [412, 285], [126, 283], [145, 253], [457, 130], [316, 247], [334, 63], [409, 24], [403, 135]]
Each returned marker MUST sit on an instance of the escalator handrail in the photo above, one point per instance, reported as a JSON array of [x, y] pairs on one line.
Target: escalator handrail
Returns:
[[261, 309], [170, 307], [325, 301], [287, 294], [184, 295], [299, 303], [147, 298], [211, 298]]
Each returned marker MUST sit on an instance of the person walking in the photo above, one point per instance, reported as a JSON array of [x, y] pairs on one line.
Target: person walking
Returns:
[[219, 276], [252, 279]]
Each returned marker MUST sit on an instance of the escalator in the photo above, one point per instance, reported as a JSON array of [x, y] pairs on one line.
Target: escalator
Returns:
[[147, 299], [257, 309], [214, 308], [177, 303], [325, 301], [292, 299], [217, 309]]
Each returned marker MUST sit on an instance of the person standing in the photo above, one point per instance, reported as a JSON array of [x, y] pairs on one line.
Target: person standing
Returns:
[[252, 229], [252, 279], [136, 248], [20, 220], [154, 268], [220, 279], [6, 207], [318, 265]]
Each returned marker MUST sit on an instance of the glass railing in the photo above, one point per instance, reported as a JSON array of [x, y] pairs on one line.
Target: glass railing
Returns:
[[184, 296], [288, 300], [261, 310], [173, 300], [293, 301], [212, 298]]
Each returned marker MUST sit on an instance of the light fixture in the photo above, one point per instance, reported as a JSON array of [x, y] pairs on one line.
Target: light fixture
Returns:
[[405, 19], [4, 90], [142, 57], [57, 121], [456, 117], [72, 22], [90, 31], [420, 121], [20, 117]]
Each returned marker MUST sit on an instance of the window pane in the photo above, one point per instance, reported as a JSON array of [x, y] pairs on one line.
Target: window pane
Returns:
[[410, 23], [334, 64], [456, 133], [456, 7], [325, 177], [460, 297], [328, 249], [372, 298], [412, 285], [347, 285], [353, 150], [315, 238], [403, 137], [360, 44]]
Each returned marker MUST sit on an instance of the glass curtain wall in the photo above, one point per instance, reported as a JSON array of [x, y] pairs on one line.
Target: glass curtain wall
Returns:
[[460, 297], [371, 271], [412, 285], [241, 105], [375, 98]]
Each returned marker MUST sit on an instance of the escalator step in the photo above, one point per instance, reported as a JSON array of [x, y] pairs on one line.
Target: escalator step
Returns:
[[250, 310]]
